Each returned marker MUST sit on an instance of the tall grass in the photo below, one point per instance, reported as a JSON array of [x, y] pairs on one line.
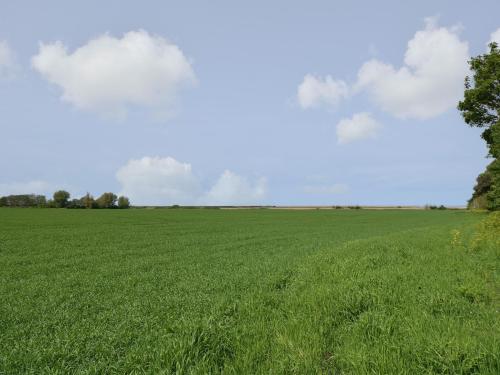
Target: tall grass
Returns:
[[250, 291]]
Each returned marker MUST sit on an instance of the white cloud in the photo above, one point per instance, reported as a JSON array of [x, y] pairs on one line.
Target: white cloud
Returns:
[[158, 181], [315, 91], [232, 189], [430, 82], [7, 61], [359, 126], [166, 181], [326, 189], [495, 37], [108, 74]]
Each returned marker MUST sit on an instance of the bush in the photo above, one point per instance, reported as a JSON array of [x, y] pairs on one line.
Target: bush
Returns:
[[487, 233]]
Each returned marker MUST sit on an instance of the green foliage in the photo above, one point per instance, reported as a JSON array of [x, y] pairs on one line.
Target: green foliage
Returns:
[[488, 233], [481, 104], [483, 183], [61, 198], [477, 202], [23, 200], [123, 202], [75, 203], [493, 195], [88, 201], [107, 200], [433, 207], [246, 292], [481, 108]]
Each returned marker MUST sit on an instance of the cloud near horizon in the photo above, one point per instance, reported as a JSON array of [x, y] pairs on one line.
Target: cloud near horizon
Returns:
[[108, 74], [232, 189], [166, 181]]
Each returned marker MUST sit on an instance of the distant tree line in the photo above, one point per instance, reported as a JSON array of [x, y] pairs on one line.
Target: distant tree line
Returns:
[[62, 199], [431, 207]]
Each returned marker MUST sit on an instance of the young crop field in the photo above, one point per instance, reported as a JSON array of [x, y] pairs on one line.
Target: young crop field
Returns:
[[198, 291]]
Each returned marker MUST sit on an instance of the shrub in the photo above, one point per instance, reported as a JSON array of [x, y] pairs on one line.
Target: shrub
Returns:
[[487, 232]]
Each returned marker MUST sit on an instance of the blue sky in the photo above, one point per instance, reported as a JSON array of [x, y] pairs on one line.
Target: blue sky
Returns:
[[317, 102]]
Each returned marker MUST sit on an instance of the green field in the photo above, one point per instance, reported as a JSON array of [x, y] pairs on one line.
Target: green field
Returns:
[[247, 292]]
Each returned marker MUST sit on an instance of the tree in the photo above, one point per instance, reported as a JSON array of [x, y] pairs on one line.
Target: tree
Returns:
[[481, 108], [23, 200], [75, 203], [61, 198], [123, 202], [483, 183], [107, 200], [481, 189], [40, 201], [88, 201]]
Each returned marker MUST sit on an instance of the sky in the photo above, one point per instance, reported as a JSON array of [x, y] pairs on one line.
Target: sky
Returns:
[[224, 102]]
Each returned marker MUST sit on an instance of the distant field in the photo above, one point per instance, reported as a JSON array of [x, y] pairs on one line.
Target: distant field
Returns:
[[246, 292]]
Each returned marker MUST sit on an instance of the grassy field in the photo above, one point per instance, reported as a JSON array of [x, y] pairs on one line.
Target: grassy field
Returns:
[[247, 292]]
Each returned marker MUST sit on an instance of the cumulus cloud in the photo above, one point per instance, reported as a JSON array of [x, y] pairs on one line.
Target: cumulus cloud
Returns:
[[326, 189], [316, 91], [232, 189], [359, 126], [166, 181], [495, 37], [7, 61], [108, 74], [430, 81], [158, 181]]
